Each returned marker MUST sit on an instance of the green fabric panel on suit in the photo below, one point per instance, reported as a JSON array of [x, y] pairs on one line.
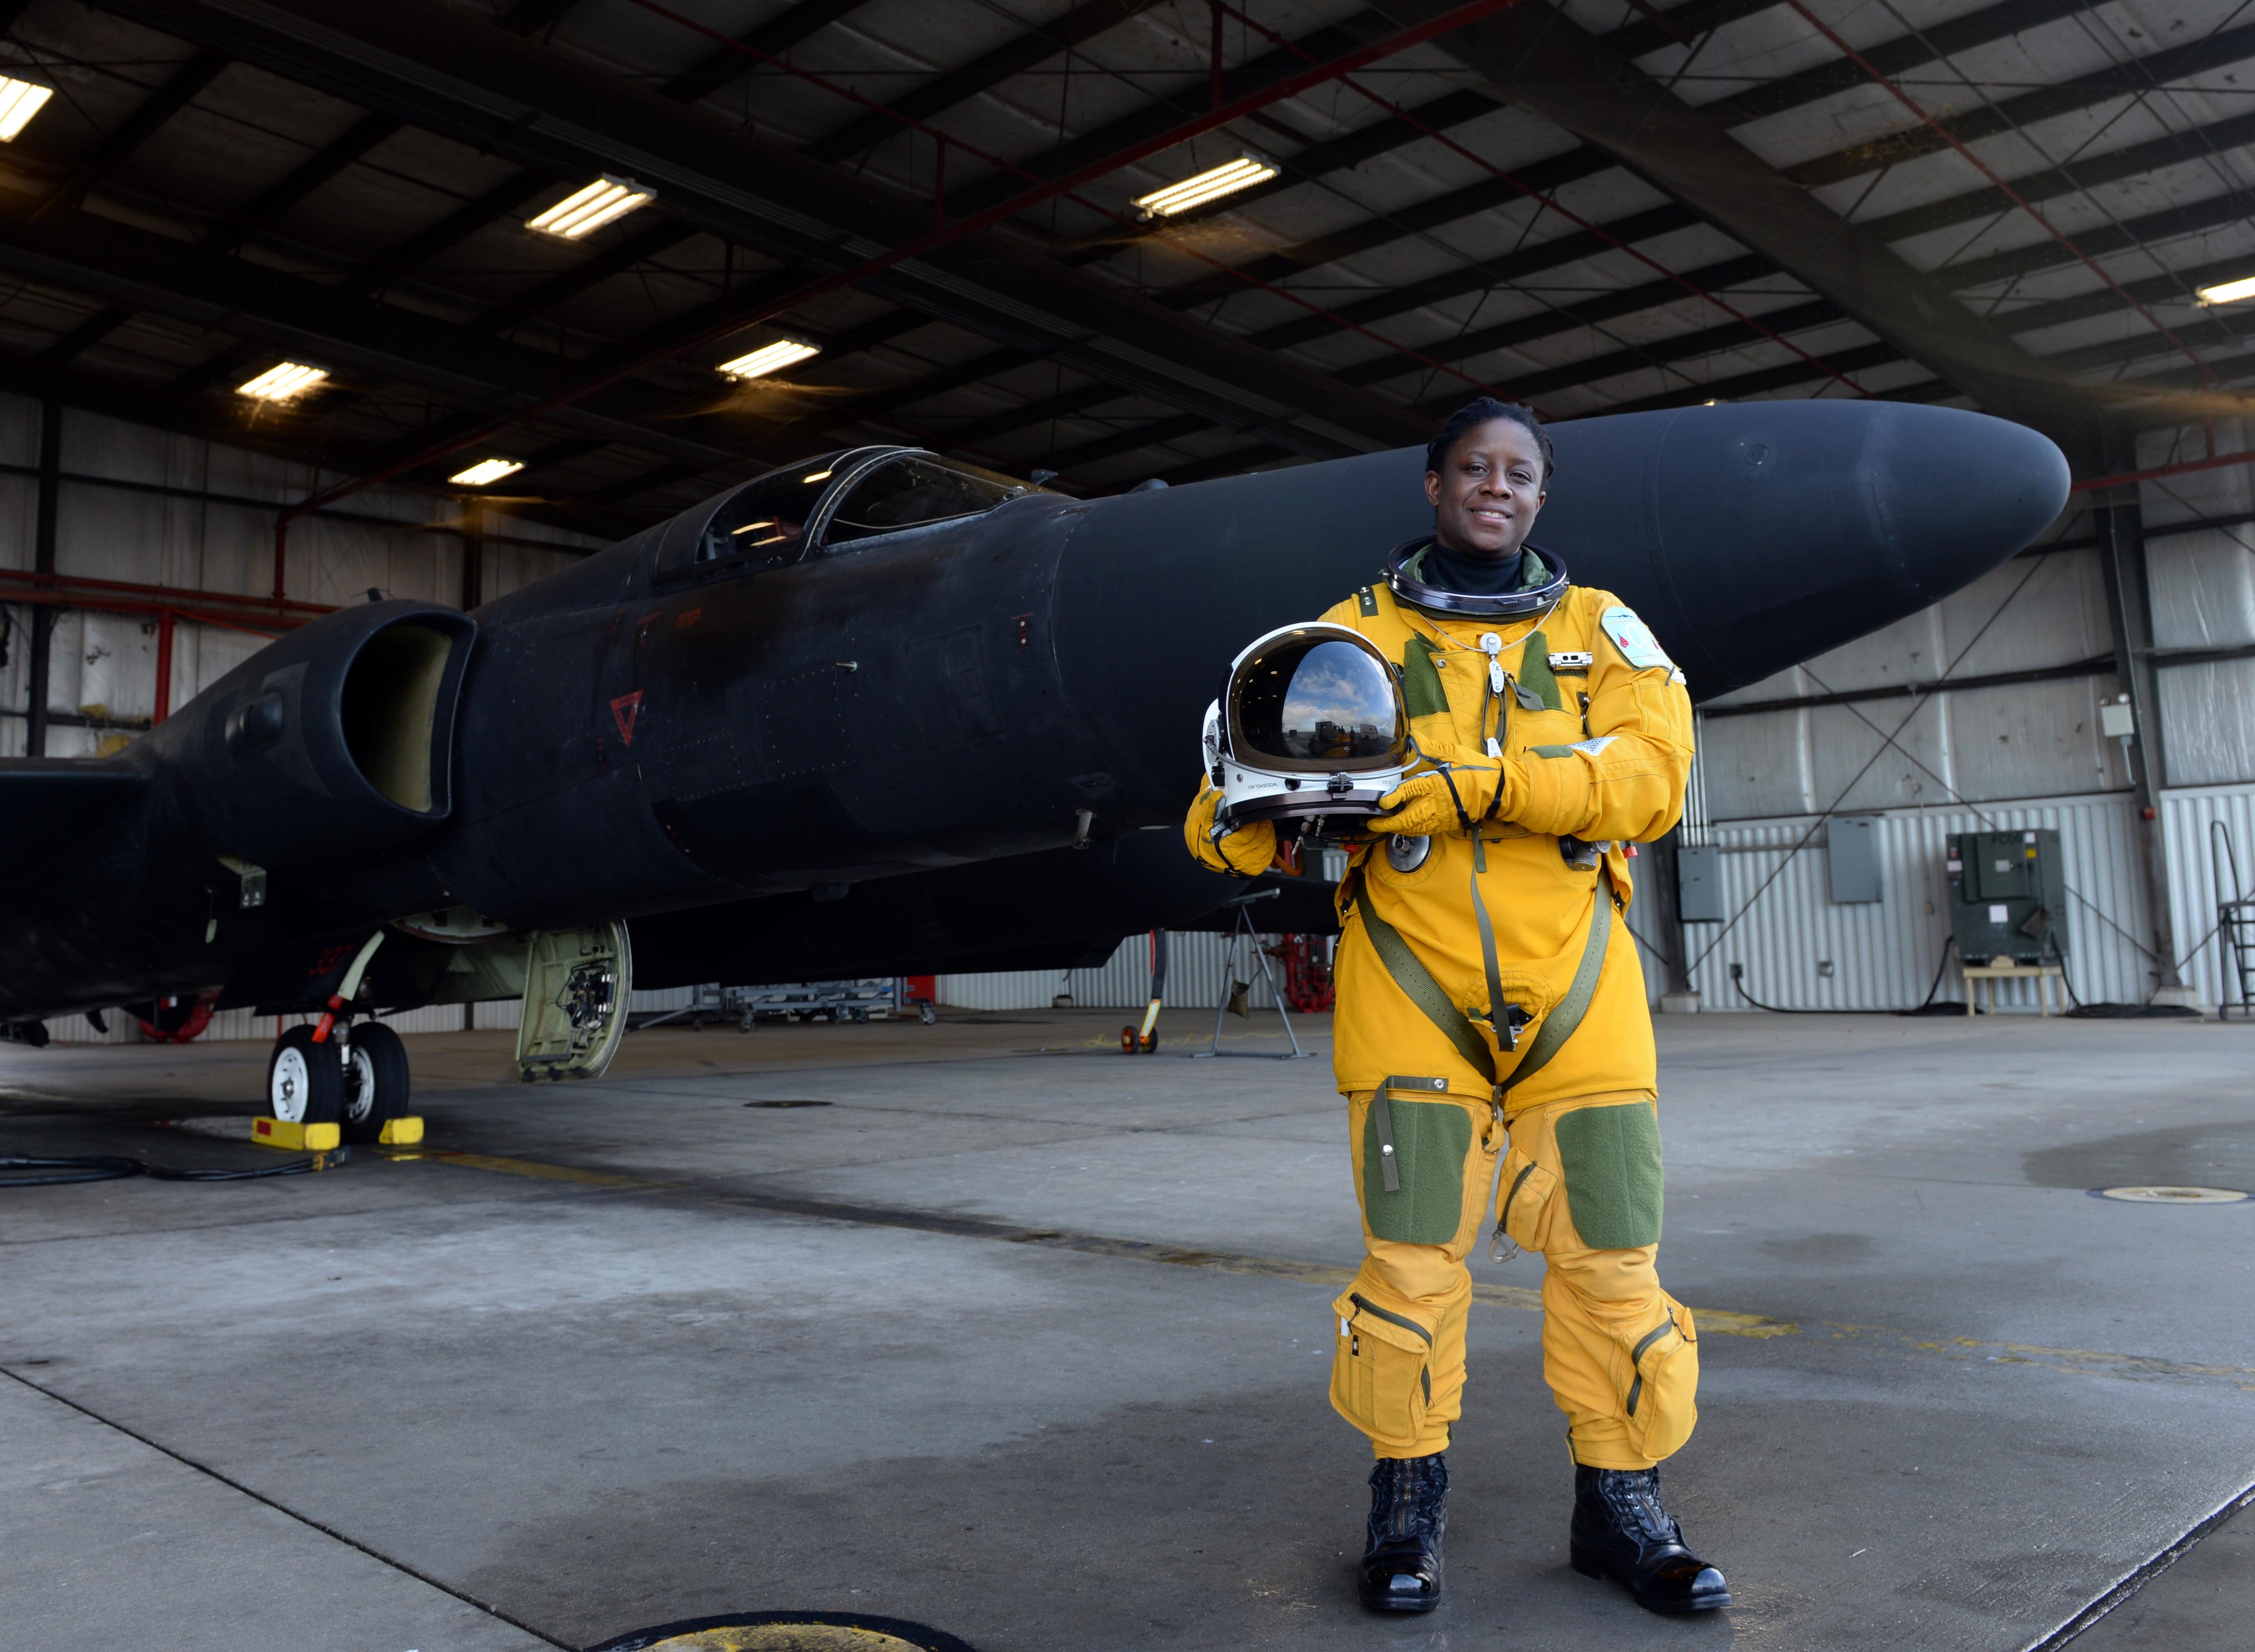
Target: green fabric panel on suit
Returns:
[[1431, 1140], [1535, 672], [1421, 694], [1611, 1156]]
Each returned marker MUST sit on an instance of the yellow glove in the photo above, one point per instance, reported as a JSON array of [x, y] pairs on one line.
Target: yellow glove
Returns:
[[1248, 851], [1433, 803]]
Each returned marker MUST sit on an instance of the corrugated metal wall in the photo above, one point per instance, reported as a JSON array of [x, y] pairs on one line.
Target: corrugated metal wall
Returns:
[[104, 666], [1883, 953], [1195, 979]]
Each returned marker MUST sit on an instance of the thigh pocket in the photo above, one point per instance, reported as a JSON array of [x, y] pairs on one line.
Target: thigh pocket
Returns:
[[1413, 1167], [1526, 1200], [1658, 1376], [1381, 1371]]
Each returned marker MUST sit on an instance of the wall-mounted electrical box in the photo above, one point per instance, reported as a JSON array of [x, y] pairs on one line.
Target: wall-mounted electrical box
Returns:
[[1853, 853], [1699, 883], [2008, 896]]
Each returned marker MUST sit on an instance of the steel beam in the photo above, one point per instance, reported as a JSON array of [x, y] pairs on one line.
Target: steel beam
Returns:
[[439, 69], [1543, 62]]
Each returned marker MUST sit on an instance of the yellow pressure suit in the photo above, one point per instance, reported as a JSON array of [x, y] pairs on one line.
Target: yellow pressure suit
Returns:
[[1593, 729]]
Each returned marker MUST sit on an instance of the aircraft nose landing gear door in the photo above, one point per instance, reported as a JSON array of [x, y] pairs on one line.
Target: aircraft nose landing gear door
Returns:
[[576, 983]]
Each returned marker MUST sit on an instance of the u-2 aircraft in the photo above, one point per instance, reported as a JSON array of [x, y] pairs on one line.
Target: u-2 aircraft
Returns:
[[874, 713]]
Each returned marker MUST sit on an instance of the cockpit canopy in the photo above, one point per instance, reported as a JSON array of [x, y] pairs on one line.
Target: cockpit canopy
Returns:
[[826, 503]]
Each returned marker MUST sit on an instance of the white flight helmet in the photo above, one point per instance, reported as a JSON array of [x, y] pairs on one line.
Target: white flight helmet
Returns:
[[1311, 725]]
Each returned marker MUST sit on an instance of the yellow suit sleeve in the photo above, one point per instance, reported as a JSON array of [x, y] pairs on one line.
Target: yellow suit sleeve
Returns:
[[1627, 780]]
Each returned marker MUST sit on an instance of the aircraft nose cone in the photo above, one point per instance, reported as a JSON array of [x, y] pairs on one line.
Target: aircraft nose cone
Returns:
[[1959, 492], [1792, 528]]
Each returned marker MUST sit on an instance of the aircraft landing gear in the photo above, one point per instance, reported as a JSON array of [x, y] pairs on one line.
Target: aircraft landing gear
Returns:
[[375, 1088], [304, 1093]]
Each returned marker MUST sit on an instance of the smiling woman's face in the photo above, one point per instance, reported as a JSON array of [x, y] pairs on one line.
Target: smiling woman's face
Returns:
[[1485, 501]]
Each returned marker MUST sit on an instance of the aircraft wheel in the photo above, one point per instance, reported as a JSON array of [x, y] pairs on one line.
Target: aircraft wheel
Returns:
[[926, 1014], [305, 1083], [1151, 1043], [1128, 1041], [379, 1086]]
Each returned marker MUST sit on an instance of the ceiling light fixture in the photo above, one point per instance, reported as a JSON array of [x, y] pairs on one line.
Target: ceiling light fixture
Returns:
[[588, 210], [487, 470], [1210, 184], [19, 101], [2229, 292], [283, 381], [768, 358]]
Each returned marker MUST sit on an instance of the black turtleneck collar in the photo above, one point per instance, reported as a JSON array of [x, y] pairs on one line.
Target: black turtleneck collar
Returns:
[[1445, 569]]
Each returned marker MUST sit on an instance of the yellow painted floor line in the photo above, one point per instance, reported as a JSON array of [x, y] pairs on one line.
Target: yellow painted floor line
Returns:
[[524, 1167], [1712, 1321]]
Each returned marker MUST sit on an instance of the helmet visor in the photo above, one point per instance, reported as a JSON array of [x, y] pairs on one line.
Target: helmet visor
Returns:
[[1317, 701]]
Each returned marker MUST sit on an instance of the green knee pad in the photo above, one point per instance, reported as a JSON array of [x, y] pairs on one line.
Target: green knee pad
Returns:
[[1431, 1140], [1610, 1156]]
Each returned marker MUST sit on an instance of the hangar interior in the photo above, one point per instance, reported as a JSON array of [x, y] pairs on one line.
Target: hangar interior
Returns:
[[283, 331]]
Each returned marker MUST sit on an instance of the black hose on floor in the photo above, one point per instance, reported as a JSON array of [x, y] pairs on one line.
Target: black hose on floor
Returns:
[[18, 1171]]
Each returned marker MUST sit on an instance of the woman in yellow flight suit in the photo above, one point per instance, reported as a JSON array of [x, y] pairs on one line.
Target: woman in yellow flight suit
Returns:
[[1489, 1002]]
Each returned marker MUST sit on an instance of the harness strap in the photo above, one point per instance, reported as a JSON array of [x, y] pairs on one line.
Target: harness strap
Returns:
[[1418, 985], [1566, 1016]]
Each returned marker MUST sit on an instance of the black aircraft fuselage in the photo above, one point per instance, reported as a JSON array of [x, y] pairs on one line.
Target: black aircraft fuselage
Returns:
[[794, 733]]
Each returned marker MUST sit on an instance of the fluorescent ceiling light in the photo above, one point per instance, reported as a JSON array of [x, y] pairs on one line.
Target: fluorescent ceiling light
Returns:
[[487, 470], [282, 382], [1210, 185], [768, 358], [19, 101], [589, 209], [2229, 292]]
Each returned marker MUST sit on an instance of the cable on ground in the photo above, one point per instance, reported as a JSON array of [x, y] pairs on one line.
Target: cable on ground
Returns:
[[19, 1170]]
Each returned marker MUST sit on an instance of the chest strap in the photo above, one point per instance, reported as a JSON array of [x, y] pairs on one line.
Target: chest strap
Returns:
[[1418, 985]]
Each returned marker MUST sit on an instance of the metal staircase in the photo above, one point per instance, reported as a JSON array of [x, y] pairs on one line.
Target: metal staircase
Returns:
[[2235, 928]]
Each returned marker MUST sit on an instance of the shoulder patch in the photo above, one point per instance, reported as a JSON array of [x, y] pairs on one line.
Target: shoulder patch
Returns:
[[1634, 638]]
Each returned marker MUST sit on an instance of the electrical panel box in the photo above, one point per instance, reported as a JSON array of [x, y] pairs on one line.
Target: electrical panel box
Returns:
[[2008, 896], [1699, 883], [1852, 851]]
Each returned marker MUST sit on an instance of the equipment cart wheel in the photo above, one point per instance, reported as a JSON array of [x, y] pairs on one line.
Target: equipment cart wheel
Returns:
[[926, 1014], [376, 1092], [304, 1081]]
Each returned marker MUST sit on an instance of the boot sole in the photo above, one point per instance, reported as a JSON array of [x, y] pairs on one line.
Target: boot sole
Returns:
[[1593, 1565], [1387, 1603]]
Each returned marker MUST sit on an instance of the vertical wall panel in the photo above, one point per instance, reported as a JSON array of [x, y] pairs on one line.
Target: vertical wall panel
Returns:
[[2197, 823]]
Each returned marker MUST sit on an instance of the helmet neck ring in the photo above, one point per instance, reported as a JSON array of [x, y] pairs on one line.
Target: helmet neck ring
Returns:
[[1511, 604]]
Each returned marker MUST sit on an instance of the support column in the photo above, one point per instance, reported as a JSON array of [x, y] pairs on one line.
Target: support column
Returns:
[[43, 561], [2129, 611], [162, 704], [1661, 885], [474, 556]]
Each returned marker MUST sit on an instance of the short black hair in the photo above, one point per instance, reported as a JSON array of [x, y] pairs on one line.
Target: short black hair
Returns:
[[1484, 410]]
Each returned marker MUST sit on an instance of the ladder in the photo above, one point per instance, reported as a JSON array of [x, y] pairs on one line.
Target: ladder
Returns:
[[2235, 929]]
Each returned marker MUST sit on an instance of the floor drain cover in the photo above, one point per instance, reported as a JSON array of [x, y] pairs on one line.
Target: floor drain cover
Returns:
[[786, 1631], [2176, 1196]]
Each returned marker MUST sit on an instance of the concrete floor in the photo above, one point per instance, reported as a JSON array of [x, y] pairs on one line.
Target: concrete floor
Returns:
[[1026, 1340]]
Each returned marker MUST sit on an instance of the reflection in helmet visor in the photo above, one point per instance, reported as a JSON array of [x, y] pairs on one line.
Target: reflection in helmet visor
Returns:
[[1316, 702]]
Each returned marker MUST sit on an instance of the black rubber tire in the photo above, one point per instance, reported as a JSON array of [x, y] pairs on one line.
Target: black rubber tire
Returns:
[[378, 1053], [314, 1067]]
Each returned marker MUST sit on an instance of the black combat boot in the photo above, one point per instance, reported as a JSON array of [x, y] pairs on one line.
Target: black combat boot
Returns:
[[1409, 1512], [1621, 1531]]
